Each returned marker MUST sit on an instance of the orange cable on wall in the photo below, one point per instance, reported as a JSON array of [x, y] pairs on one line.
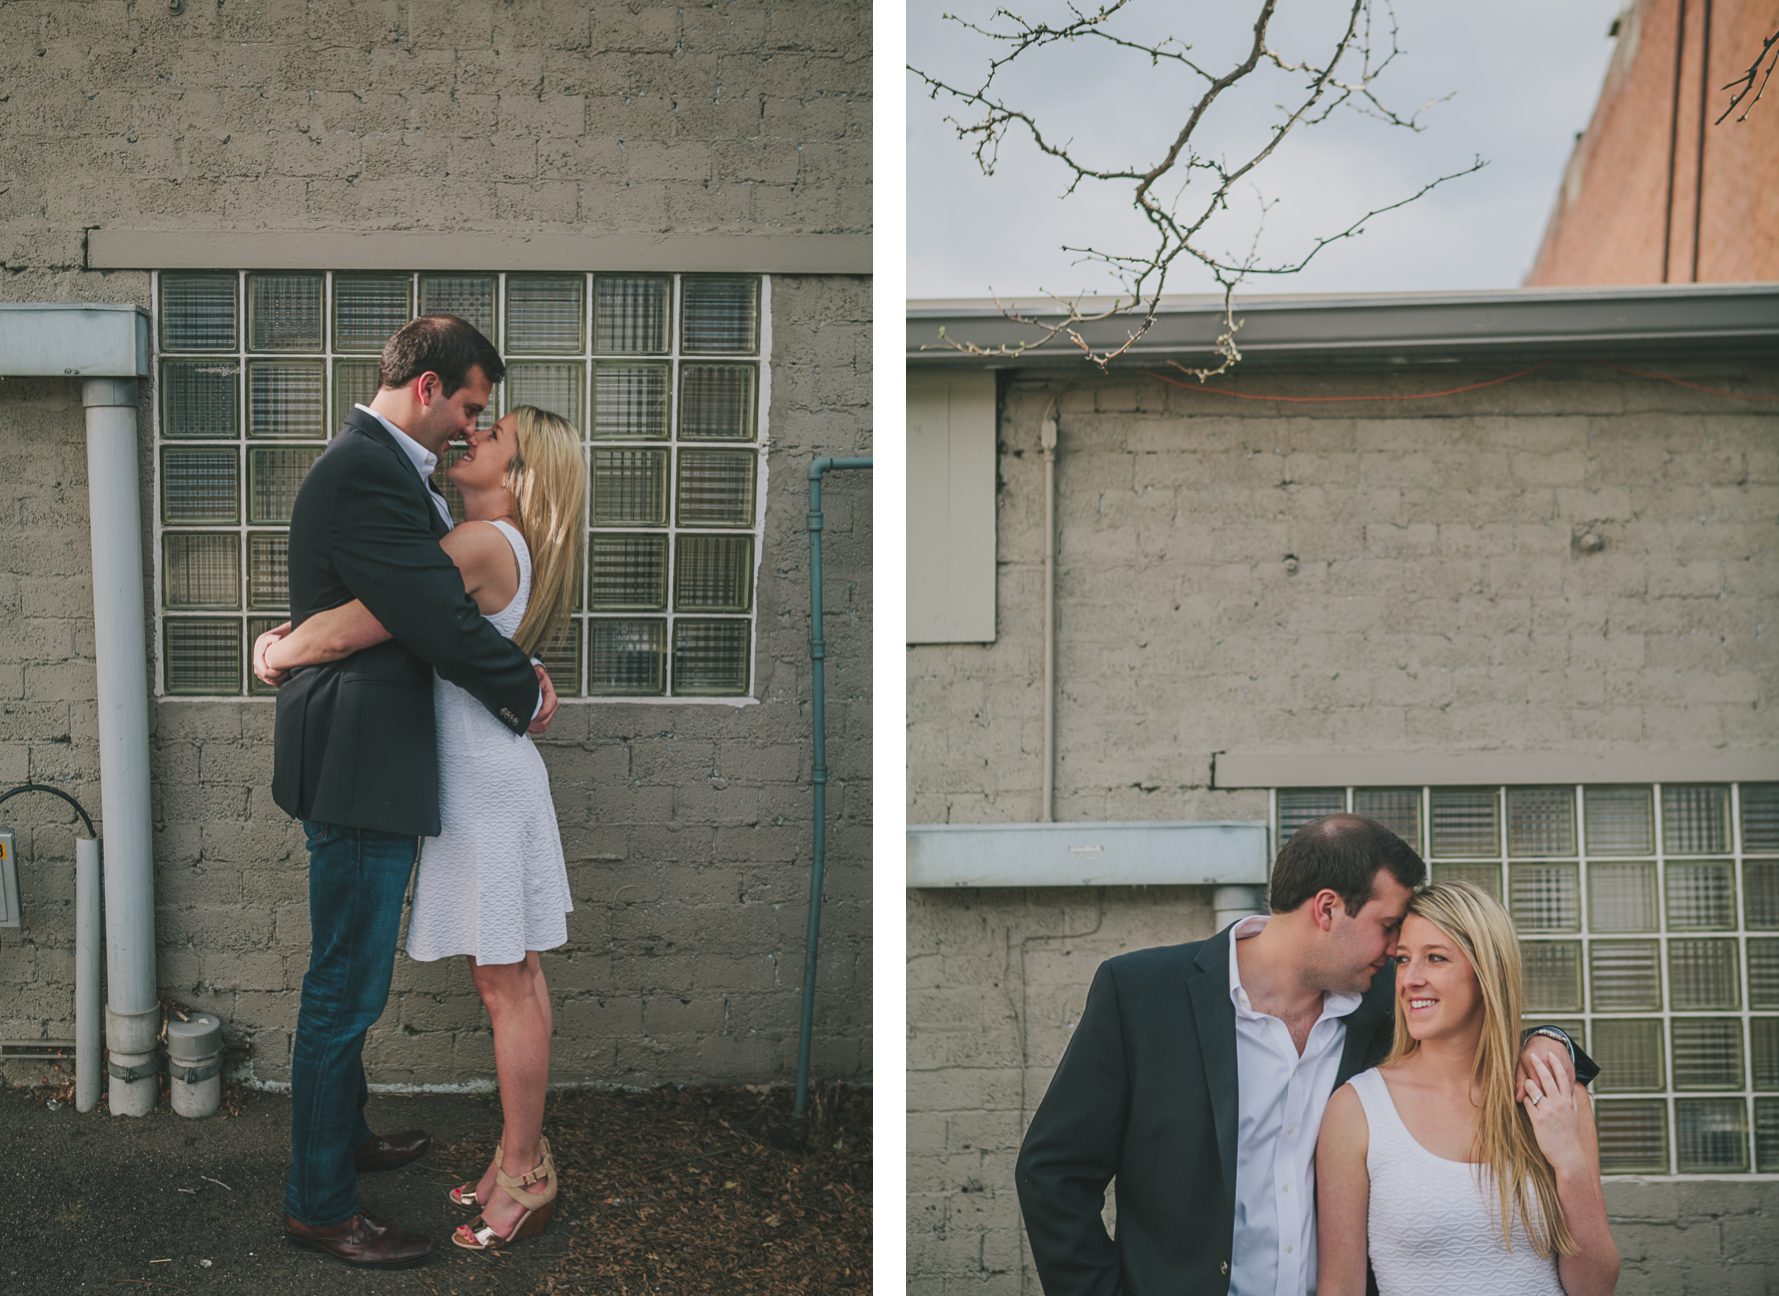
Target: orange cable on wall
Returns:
[[1650, 374], [1328, 400]]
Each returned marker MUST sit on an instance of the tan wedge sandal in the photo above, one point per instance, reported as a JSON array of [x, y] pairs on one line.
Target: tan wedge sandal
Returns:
[[479, 1235], [464, 1194]]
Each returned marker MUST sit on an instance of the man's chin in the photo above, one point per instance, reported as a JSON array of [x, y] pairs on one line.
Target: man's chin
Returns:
[[1361, 981]]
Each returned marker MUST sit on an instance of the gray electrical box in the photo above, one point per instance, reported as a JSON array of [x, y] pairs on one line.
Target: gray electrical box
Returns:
[[9, 880]]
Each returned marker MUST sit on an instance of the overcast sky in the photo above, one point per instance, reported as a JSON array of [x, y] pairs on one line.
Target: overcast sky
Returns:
[[1524, 75]]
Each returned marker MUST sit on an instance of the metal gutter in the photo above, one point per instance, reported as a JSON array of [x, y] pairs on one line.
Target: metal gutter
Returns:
[[1390, 329]]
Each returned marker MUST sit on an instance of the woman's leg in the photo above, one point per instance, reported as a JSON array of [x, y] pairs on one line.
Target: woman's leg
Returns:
[[518, 1004]]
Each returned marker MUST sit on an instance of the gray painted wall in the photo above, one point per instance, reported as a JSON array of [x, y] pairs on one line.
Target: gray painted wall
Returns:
[[1440, 604], [687, 828]]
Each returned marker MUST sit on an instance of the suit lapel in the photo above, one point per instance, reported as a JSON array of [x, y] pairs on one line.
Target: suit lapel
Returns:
[[367, 425], [1214, 1016]]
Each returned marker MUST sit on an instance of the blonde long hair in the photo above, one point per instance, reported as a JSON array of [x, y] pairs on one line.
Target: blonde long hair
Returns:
[[547, 481], [1505, 1147]]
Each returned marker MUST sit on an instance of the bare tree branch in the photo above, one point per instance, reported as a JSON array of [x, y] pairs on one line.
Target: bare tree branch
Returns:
[[1199, 180], [1746, 80]]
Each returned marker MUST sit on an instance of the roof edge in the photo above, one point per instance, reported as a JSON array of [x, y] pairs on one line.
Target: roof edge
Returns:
[[1387, 328]]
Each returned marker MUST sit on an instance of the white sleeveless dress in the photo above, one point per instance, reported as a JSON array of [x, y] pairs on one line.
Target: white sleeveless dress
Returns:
[[492, 884], [1434, 1225]]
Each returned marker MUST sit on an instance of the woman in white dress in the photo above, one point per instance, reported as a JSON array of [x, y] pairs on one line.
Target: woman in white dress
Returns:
[[492, 886], [1432, 1164]]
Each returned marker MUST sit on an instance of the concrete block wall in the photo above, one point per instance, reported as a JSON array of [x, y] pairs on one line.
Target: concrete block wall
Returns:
[[543, 115], [1360, 577], [687, 827], [1441, 601]]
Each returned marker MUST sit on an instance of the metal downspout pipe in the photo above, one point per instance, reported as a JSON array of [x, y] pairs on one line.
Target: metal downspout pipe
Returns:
[[819, 779], [133, 1010], [1047, 807], [1228, 903]]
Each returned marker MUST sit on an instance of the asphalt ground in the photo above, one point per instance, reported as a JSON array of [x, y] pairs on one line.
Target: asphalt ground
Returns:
[[682, 1190]]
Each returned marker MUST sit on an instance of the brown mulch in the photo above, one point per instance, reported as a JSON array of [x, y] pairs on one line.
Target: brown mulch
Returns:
[[669, 1192], [705, 1190]]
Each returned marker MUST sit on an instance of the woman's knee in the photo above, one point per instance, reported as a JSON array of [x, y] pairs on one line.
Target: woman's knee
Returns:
[[504, 984]]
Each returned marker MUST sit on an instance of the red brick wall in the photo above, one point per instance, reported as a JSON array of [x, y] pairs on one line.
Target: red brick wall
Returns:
[[1608, 223]]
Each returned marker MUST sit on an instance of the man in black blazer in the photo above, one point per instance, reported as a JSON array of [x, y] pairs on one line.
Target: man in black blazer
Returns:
[[1184, 1072], [355, 752]]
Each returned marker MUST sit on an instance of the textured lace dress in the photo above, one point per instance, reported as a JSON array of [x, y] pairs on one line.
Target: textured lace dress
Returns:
[[492, 883], [1433, 1223]]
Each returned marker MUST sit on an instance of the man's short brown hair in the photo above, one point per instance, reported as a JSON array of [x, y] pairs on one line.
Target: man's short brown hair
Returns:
[[1342, 853], [441, 344]]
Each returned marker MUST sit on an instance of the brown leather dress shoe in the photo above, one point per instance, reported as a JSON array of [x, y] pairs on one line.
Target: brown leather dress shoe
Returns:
[[362, 1240], [380, 1152]]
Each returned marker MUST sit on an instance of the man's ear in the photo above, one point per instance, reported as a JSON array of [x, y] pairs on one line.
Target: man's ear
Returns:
[[427, 388], [1322, 908]]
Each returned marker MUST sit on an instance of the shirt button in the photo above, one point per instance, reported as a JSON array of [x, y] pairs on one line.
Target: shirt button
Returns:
[[1290, 1129], [1287, 1248], [1286, 1188]]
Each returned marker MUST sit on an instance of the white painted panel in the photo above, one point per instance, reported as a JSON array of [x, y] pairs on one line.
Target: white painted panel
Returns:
[[1087, 854], [951, 507]]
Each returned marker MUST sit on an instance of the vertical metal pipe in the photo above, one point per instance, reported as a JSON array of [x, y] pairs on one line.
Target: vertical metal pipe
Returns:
[[89, 1017], [133, 1015], [1047, 809], [1229, 903], [819, 778]]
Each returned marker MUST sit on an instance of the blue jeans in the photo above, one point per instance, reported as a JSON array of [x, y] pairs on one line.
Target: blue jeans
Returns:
[[357, 878]]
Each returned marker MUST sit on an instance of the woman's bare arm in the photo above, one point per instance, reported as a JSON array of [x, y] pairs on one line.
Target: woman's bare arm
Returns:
[[325, 637], [1343, 1196], [478, 549]]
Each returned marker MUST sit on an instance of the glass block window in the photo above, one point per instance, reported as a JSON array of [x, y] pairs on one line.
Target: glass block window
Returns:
[[1648, 918], [662, 374]]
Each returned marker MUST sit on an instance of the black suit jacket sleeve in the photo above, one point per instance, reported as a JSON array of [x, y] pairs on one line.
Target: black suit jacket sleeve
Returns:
[[386, 554], [1070, 1153]]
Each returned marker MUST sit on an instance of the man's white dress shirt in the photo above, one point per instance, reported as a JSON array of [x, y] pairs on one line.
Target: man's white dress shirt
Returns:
[[1281, 1098]]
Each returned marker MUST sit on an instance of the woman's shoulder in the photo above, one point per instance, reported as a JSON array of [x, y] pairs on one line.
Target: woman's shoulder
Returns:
[[1344, 1123], [481, 547], [475, 537]]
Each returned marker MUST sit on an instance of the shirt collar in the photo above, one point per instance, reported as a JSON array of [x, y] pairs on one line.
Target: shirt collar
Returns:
[[1333, 1004], [424, 460]]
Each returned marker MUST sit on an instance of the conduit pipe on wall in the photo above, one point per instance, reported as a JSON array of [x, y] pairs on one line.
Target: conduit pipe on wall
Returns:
[[87, 944], [818, 777], [89, 932], [133, 1010], [1047, 810]]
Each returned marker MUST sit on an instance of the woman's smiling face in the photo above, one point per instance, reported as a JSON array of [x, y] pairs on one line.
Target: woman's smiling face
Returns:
[[1435, 983], [490, 454]]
